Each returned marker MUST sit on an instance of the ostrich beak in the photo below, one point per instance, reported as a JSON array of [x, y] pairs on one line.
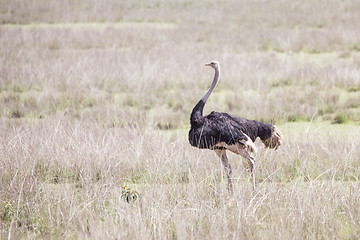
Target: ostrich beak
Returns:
[[207, 64]]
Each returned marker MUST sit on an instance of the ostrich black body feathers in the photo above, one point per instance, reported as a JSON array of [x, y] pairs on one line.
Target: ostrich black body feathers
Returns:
[[216, 128]]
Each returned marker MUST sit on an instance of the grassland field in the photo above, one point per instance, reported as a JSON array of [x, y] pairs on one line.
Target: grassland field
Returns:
[[95, 98]]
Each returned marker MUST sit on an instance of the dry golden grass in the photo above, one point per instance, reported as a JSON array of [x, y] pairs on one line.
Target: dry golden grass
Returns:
[[95, 102], [63, 178]]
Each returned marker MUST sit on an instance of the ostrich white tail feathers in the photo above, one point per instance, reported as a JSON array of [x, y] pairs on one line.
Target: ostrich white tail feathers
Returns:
[[275, 140]]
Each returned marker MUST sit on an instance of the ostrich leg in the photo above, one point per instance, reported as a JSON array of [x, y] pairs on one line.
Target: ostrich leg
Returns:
[[241, 150], [222, 154], [251, 161]]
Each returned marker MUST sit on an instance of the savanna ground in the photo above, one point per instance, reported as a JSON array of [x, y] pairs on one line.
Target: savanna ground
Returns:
[[95, 102]]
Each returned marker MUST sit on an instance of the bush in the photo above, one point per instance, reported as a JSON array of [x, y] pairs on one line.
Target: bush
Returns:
[[340, 119]]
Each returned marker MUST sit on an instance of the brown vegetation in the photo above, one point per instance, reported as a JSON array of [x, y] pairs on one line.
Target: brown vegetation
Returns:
[[95, 100]]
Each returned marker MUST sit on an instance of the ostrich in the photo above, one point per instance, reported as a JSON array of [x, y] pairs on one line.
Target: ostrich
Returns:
[[222, 131]]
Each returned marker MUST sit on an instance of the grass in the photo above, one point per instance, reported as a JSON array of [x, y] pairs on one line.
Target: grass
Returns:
[[89, 25], [95, 101], [67, 180]]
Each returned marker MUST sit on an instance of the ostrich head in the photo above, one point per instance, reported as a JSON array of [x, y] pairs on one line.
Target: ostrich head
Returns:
[[214, 64]]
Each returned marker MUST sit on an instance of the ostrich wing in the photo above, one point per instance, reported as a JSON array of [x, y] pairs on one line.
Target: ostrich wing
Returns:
[[227, 129]]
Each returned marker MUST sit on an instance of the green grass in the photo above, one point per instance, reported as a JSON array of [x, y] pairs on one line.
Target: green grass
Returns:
[[89, 25]]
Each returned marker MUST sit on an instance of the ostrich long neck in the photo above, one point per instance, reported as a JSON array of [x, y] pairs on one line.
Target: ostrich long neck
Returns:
[[215, 81], [197, 111]]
